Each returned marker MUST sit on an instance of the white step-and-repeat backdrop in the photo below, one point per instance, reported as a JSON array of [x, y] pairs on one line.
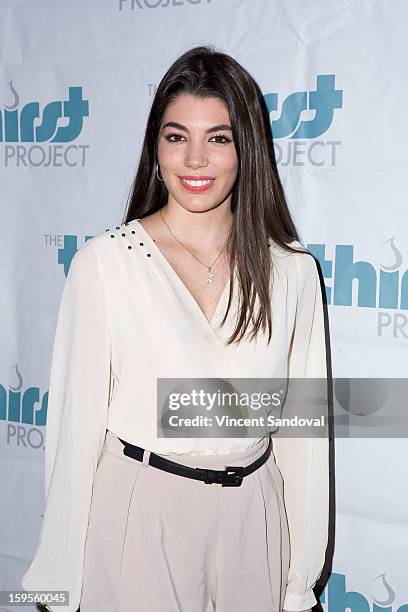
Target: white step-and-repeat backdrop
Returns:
[[77, 81]]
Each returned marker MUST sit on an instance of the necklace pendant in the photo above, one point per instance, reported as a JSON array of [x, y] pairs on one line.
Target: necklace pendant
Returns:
[[210, 276]]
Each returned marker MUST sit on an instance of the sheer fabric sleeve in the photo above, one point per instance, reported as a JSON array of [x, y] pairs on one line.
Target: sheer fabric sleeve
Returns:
[[77, 415], [304, 461]]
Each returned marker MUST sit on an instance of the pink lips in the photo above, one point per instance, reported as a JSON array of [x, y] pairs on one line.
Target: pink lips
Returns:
[[196, 178]]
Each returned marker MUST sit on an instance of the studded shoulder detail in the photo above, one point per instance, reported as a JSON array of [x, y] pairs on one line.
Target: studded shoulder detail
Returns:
[[122, 231]]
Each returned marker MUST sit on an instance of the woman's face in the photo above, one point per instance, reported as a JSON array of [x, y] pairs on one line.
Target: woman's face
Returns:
[[196, 153]]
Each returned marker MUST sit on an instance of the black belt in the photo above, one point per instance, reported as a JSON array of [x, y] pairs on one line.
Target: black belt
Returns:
[[230, 477]]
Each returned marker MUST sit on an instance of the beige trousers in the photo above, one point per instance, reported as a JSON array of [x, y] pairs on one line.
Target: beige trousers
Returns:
[[159, 542]]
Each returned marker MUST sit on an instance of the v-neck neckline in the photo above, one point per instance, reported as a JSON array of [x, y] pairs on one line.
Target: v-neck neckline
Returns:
[[183, 287]]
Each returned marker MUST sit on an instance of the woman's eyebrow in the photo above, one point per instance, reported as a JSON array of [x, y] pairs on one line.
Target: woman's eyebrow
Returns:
[[215, 128]]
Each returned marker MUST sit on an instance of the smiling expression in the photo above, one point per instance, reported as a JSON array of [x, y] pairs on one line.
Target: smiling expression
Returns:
[[196, 152]]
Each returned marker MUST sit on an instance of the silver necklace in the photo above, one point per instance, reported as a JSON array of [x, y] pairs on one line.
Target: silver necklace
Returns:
[[210, 273]]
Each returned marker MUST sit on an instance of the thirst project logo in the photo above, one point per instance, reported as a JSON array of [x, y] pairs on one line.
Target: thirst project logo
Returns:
[[24, 409], [359, 283], [296, 131], [339, 599], [26, 128]]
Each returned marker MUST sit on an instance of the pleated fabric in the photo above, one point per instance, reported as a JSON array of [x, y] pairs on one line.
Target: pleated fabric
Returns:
[[160, 542]]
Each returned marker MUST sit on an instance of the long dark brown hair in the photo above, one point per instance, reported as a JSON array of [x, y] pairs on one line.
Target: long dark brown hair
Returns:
[[260, 211]]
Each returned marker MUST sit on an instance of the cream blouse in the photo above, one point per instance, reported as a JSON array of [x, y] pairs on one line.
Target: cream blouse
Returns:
[[125, 319]]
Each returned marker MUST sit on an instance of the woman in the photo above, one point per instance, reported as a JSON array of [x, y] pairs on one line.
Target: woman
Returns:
[[206, 278]]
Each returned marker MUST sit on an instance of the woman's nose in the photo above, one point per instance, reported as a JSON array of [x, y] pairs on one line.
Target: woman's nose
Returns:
[[196, 157]]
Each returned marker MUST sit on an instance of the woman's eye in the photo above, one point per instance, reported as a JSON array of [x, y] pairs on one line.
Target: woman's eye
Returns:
[[170, 138], [224, 138]]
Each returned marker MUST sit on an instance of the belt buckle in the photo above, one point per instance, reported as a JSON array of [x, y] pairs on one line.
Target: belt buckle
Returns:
[[235, 472]]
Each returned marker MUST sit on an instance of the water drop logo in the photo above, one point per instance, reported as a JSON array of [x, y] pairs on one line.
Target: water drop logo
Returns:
[[15, 98]]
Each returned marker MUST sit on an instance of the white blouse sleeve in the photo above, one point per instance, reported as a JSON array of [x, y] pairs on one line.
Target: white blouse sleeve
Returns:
[[304, 462], [77, 415]]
